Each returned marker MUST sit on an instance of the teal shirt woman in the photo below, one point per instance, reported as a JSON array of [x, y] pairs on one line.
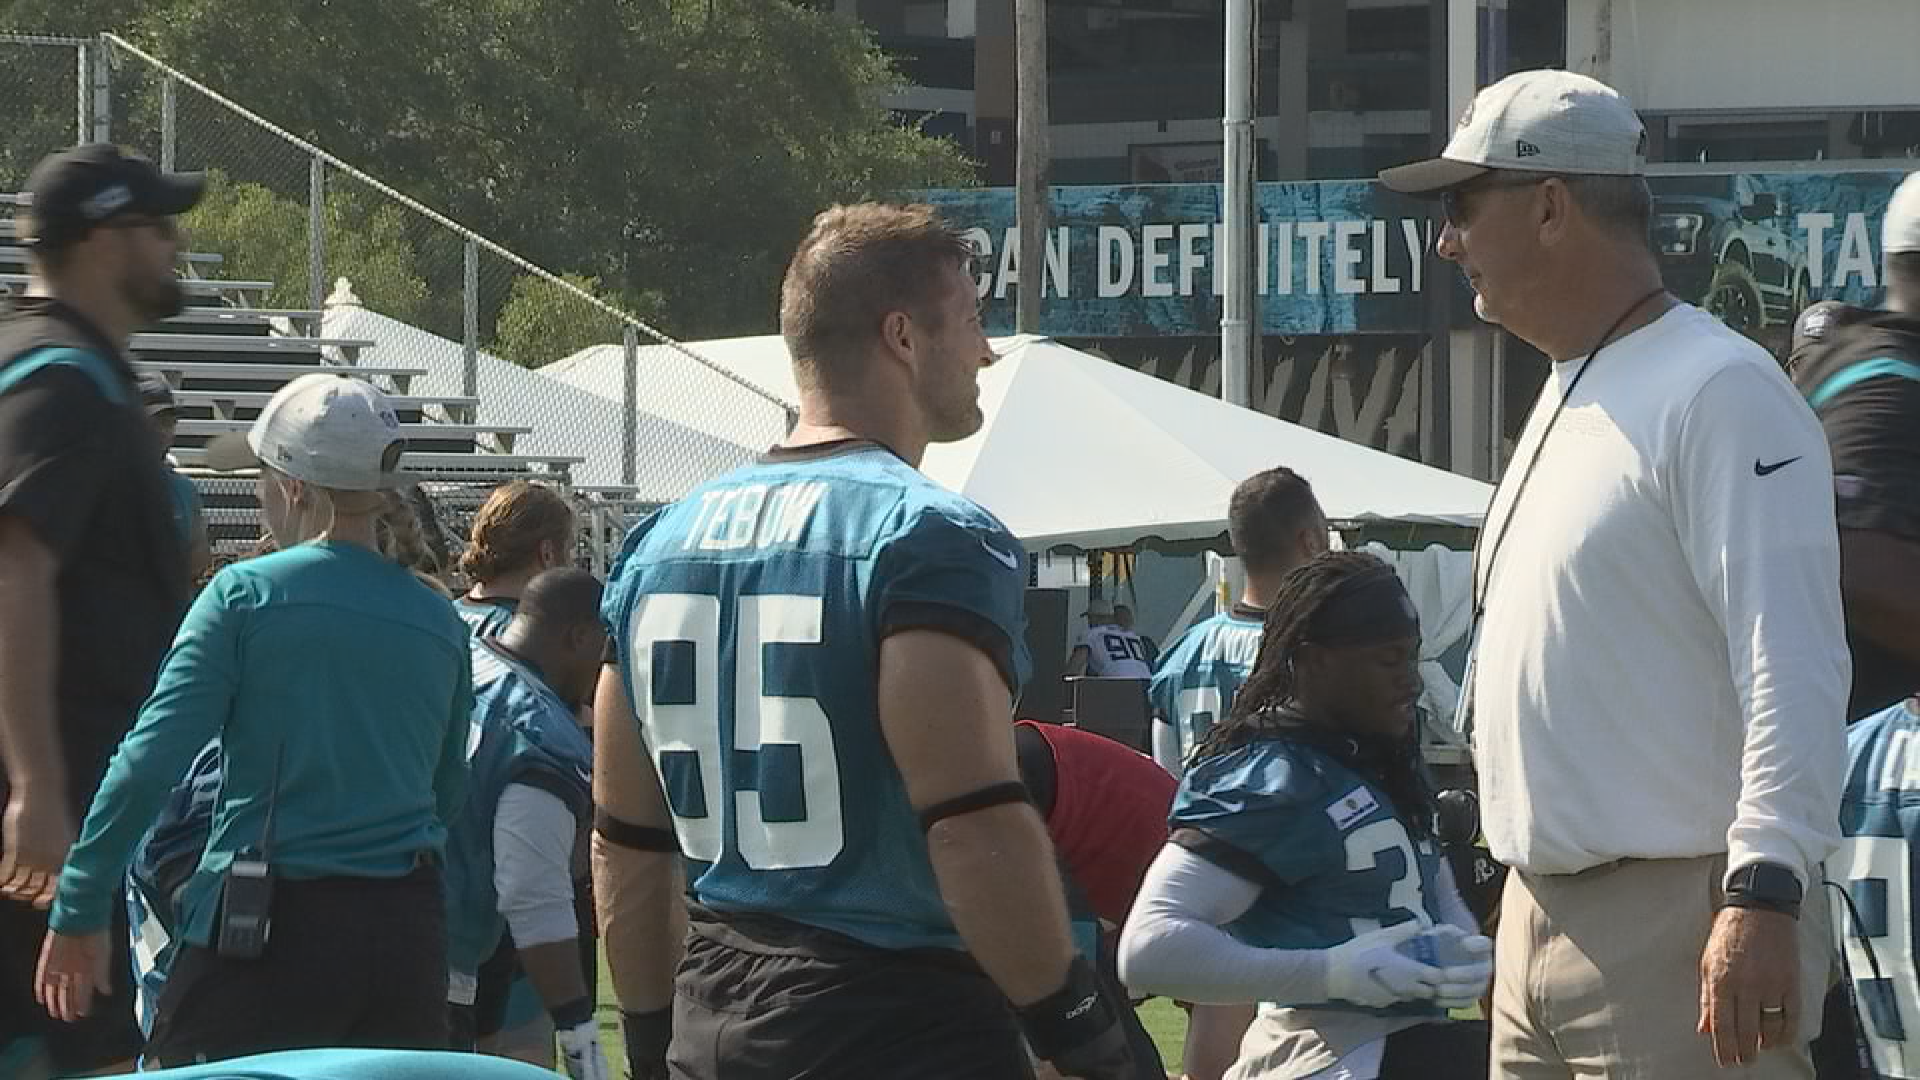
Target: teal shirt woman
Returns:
[[340, 688]]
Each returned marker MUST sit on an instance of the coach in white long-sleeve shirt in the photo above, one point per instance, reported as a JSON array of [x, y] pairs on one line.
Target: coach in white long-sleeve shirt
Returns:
[[1659, 684]]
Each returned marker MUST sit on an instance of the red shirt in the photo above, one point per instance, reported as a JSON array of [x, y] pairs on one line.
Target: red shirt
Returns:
[[1109, 816]]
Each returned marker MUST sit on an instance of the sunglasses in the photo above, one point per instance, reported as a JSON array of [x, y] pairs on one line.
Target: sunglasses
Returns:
[[168, 228], [1455, 204]]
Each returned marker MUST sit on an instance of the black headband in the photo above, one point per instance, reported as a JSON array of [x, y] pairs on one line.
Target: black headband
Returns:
[[1369, 608]]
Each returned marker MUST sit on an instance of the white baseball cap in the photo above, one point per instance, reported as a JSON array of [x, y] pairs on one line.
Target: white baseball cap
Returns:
[[329, 430], [1539, 121], [1901, 230]]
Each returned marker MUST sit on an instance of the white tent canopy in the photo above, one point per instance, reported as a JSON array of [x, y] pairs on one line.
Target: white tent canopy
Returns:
[[1083, 452], [675, 387], [1077, 451], [673, 456]]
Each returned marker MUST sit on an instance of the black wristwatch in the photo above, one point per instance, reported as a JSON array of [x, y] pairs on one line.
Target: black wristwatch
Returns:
[[1765, 886]]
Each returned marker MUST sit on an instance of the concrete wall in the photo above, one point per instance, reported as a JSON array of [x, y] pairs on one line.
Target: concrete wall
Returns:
[[1672, 55]]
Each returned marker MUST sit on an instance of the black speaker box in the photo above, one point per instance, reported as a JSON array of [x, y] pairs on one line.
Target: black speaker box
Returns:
[[1044, 697]]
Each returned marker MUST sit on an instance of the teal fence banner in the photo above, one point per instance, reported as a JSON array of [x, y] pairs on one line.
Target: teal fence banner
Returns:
[[1350, 257]]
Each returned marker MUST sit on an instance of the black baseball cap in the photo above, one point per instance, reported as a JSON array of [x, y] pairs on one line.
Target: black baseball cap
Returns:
[[156, 394], [74, 190]]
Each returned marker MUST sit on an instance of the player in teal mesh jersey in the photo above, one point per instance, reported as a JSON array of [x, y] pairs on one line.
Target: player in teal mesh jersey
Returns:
[[1871, 878], [1301, 870], [822, 650], [511, 850], [521, 530], [1275, 524]]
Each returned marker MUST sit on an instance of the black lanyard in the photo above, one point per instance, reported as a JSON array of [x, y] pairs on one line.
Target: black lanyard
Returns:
[[1539, 448]]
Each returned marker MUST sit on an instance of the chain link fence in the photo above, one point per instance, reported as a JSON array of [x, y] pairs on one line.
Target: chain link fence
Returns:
[[507, 369], [43, 92]]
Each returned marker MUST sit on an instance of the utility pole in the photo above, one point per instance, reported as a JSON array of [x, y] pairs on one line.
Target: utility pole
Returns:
[[1237, 312], [1033, 160]]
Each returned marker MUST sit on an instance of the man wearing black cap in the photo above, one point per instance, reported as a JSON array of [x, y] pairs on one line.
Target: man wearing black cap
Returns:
[[90, 562]]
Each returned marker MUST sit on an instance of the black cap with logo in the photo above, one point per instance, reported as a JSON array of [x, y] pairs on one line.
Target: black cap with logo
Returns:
[[156, 394], [74, 190]]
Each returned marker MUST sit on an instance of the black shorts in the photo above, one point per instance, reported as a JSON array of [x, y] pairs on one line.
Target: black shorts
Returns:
[[108, 1035], [1456, 1050], [759, 998], [352, 962]]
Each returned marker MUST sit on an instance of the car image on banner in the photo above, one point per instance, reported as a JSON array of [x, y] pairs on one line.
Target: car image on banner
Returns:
[[1732, 249]]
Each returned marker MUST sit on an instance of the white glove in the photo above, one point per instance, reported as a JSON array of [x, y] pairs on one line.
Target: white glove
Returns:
[[1370, 970], [1466, 979], [581, 1055]]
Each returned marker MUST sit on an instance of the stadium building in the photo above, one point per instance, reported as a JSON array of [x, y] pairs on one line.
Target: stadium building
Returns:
[[1775, 130]]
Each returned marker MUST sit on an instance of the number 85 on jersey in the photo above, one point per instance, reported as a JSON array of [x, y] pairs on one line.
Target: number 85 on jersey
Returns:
[[742, 768]]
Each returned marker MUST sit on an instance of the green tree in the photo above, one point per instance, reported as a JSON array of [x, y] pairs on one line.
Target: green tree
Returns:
[[542, 322], [676, 147], [262, 236]]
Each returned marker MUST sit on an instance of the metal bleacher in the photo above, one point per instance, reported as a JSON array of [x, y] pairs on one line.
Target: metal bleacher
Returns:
[[226, 354]]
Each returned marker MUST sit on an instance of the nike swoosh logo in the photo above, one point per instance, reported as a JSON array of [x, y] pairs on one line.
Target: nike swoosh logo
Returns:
[[1769, 470], [1006, 560]]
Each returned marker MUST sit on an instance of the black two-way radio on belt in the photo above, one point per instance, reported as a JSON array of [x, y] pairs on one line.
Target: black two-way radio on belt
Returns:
[[246, 892]]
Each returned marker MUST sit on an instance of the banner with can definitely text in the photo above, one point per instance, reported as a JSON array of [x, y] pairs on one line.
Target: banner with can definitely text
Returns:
[[1350, 257]]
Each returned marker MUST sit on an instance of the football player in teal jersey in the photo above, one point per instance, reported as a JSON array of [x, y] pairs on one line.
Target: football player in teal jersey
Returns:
[[1275, 524], [521, 530], [1872, 877], [510, 852], [1301, 870], [817, 657]]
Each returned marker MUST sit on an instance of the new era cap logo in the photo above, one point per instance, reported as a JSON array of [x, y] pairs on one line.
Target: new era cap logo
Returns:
[[105, 204], [1523, 148]]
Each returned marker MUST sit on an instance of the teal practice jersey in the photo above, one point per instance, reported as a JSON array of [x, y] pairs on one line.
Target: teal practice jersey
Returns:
[[748, 619], [1332, 859], [487, 617], [1874, 920], [522, 734], [1197, 678], [358, 1065]]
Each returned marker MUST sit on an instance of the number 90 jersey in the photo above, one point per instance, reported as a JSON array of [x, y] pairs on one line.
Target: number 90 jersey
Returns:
[[748, 619], [1332, 859]]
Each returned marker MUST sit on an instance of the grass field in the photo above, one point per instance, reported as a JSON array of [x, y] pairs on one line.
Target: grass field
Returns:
[[1164, 1021]]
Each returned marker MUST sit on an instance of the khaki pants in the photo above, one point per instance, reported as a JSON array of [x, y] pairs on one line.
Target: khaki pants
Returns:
[[1597, 974]]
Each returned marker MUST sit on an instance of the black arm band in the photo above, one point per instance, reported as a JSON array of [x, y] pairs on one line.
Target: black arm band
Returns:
[[990, 796], [628, 835], [1074, 1015]]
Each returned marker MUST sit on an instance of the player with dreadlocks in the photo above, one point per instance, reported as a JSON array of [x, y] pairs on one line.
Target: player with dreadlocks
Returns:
[[1301, 871]]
